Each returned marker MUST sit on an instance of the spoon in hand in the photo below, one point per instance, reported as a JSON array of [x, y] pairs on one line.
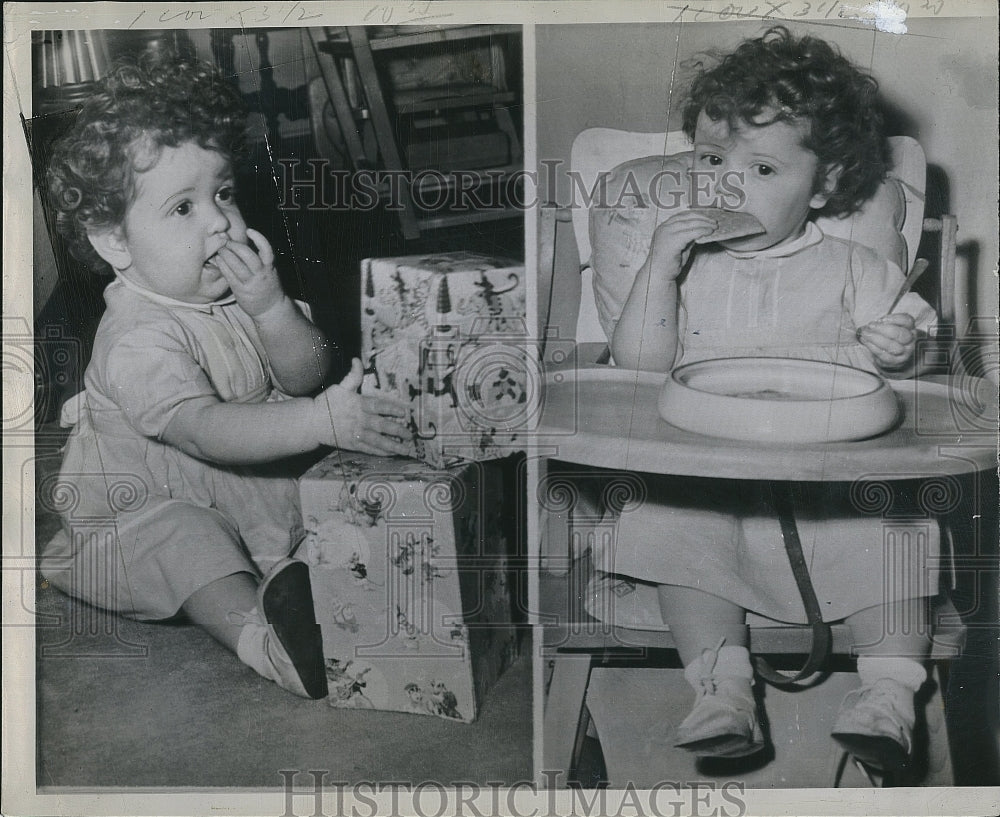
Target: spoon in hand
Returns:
[[919, 267]]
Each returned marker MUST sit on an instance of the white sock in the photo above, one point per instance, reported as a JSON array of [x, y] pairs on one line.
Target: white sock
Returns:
[[905, 671], [732, 662], [251, 648]]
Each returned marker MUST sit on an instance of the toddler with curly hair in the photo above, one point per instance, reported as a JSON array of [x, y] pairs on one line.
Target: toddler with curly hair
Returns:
[[201, 380], [797, 125]]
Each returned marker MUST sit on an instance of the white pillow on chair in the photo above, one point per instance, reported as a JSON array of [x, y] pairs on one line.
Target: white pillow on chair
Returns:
[[877, 225], [621, 233]]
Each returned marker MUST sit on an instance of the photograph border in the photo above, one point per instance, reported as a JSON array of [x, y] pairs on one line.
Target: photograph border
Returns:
[[20, 795]]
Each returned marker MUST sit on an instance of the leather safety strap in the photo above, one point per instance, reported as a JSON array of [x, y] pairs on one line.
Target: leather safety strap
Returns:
[[822, 639]]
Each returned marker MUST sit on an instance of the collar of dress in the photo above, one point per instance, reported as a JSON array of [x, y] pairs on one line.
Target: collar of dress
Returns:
[[156, 297], [811, 235]]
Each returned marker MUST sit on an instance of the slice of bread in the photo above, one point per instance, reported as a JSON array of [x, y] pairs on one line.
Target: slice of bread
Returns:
[[732, 224]]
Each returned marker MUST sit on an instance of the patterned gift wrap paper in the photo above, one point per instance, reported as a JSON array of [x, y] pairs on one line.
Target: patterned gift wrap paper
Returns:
[[408, 297], [447, 333], [469, 400], [411, 582]]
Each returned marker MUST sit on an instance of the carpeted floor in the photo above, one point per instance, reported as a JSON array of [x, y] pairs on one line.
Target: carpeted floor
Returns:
[[122, 703]]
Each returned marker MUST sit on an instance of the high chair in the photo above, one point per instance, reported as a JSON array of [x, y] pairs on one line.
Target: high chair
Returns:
[[892, 224]]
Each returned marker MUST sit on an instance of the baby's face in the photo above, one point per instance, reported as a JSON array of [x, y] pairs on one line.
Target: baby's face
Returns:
[[184, 212], [769, 166]]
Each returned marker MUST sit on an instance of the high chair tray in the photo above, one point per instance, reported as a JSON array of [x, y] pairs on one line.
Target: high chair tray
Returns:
[[608, 417]]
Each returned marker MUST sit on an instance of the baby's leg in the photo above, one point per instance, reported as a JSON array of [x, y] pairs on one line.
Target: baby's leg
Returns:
[[212, 607], [270, 625], [875, 722], [896, 629], [710, 634], [699, 620]]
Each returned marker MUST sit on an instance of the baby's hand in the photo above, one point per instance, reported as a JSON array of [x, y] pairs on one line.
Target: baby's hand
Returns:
[[372, 424], [251, 276], [891, 340], [672, 241]]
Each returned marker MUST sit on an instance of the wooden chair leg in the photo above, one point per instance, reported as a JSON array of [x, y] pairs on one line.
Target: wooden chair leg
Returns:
[[554, 548], [338, 98], [565, 721], [506, 124], [546, 268], [384, 126], [949, 243]]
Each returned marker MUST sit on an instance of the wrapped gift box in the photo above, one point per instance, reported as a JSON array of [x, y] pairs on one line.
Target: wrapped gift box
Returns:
[[447, 333], [412, 582]]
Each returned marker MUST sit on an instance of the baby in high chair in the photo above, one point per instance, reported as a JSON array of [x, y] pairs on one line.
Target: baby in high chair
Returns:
[[786, 128], [200, 380]]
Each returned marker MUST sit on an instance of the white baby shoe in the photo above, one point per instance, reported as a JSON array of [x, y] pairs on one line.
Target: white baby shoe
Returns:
[[875, 722], [723, 722]]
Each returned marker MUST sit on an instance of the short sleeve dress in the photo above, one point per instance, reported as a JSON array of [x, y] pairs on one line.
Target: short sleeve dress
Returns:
[[805, 299], [145, 525]]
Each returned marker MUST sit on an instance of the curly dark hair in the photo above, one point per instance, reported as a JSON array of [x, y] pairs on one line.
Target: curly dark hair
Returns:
[[145, 104], [783, 78]]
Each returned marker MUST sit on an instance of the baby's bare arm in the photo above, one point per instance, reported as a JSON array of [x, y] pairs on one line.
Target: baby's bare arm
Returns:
[[301, 357], [245, 433], [299, 352], [646, 335], [252, 433]]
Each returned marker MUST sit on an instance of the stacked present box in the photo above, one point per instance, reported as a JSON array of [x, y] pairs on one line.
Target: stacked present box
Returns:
[[410, 566], [447, 333], [412, 581]]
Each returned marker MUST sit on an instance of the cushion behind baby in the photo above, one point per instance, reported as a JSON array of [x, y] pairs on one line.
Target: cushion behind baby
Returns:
[[641, 194], [878, 224]]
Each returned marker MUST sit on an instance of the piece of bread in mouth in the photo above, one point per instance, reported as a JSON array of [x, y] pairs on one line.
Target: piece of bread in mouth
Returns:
[[732, 224]]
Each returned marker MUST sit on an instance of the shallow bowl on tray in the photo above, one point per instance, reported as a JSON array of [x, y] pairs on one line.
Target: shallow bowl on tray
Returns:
[[778, 400]]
